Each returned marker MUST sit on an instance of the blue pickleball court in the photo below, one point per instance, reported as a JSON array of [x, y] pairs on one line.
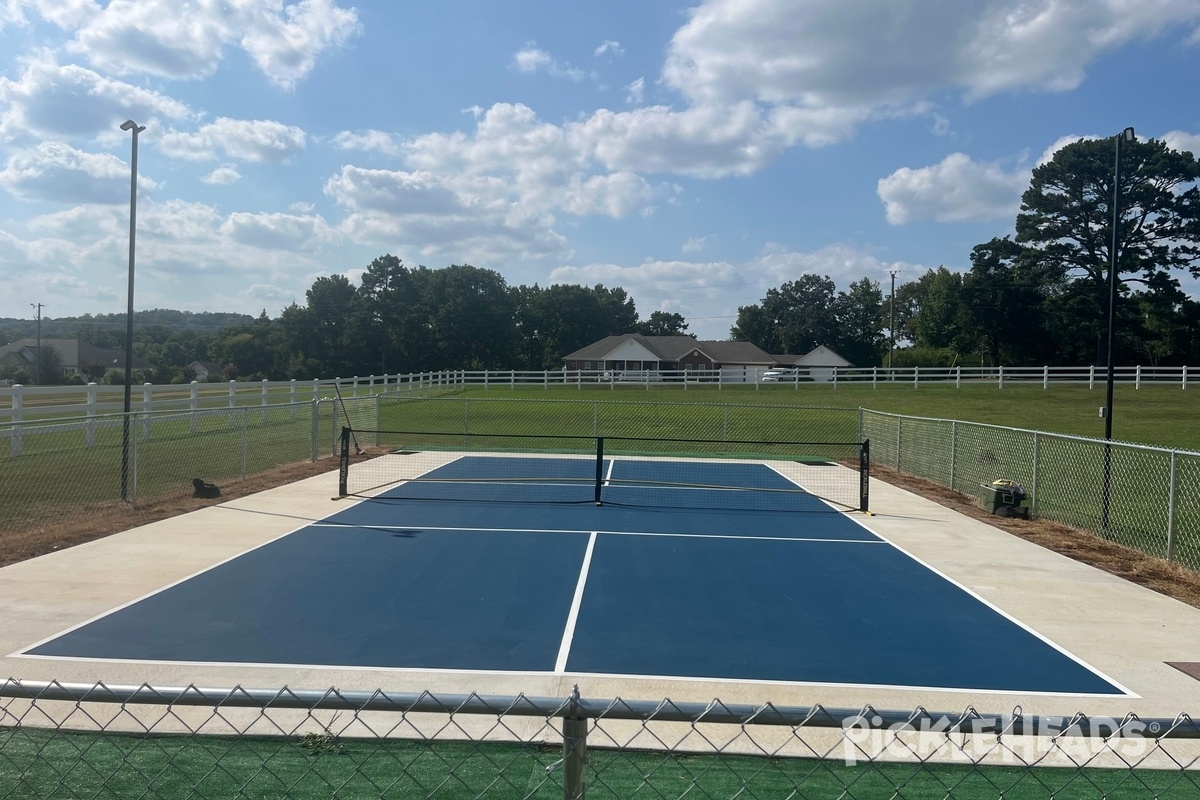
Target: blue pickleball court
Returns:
[[713, 569]]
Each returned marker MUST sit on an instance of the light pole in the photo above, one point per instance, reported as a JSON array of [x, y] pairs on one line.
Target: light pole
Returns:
[[37, 363], [1126, 135], [892, 324], [129, 125]]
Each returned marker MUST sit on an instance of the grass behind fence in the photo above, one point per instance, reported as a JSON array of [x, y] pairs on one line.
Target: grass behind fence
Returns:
[[58, 764]]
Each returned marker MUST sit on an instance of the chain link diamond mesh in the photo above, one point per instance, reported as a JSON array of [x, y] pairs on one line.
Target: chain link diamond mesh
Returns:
[[1120, 491], [83, 740]]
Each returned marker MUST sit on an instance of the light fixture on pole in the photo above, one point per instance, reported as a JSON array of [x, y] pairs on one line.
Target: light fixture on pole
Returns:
[[129, 125], [1127, 136]]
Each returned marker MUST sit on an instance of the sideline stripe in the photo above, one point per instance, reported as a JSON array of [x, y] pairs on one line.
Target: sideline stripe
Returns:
[[564, 648]]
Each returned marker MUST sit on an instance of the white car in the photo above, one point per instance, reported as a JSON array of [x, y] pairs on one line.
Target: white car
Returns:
[[782, 374]]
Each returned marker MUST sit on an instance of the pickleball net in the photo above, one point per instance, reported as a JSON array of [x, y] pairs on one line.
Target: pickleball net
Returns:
[[606, 470]]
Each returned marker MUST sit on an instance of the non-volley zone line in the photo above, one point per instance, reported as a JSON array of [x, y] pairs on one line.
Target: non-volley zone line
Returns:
[[527, 529]]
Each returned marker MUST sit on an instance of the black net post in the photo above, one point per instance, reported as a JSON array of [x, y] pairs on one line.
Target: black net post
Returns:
[[344, 464], [864, 476], [599, 466]]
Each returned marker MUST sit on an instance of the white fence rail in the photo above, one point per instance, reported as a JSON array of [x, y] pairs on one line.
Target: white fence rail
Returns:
[[19, 403]]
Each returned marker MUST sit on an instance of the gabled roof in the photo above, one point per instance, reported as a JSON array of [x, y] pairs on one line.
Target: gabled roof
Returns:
[[673, 348]]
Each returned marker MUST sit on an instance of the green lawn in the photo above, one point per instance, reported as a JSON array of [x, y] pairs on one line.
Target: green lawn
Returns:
[[50, 764], [1166, 416]]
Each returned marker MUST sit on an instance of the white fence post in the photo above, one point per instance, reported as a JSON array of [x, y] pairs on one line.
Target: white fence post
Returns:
[[1137, 380], [292, 397], [264, 399], [1184, 377], [1046, 377], [958, 377], [194, 405], [1092, 377], [874, 378], [916, 376], [147, 393], [18, 405], [1001, 381], [90, 436]]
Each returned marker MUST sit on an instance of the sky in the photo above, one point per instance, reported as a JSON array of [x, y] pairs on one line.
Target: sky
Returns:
[[696, 154]]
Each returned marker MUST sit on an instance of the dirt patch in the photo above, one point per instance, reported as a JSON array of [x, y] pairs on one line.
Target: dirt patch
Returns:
[[1086, 547], [109, 518]]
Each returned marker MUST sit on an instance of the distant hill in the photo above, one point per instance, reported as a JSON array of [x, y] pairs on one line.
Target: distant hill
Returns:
[[69, 327]]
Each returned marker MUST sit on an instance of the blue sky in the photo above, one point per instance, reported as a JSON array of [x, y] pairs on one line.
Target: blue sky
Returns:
[[696, 154]]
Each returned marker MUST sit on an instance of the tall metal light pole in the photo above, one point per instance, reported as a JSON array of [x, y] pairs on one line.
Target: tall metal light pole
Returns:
[[1126, 135], [892, 324], [129, 125], [37, 363]]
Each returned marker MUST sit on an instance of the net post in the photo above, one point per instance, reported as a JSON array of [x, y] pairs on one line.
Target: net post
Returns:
[[864, 476], [599, 467], [344, 464]]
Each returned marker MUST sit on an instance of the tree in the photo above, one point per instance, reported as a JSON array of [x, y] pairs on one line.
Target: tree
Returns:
[[1004, 302], [936, 320], [663, 323], [794, 318], [860, 324], [1067, 218]]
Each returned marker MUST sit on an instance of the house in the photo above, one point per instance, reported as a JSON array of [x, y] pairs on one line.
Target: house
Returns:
[[75, 357], [632, 356], [818, 364], [204, 369]]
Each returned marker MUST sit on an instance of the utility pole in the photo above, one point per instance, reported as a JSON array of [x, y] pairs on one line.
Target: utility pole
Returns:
[[37, 362]]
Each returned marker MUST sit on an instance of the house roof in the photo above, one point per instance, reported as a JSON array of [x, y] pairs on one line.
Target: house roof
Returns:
[[673, 348], [210, 366], [73, 353]]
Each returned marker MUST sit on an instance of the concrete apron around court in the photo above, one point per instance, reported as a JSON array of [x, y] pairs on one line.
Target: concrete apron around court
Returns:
[[1124, 631]]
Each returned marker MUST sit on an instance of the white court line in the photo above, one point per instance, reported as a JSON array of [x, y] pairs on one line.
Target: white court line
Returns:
[[560, 664], [606, 533], [612, 462]]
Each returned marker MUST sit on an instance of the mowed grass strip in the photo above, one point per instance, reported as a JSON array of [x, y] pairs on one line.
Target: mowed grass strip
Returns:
[[58, 764]]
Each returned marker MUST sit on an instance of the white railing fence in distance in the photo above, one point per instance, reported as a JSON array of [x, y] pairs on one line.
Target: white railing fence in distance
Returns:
[[1143, 497], [100, 740]]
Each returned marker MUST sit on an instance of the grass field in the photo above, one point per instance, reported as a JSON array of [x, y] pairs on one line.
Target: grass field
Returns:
[[1166, 416], [50, 764]]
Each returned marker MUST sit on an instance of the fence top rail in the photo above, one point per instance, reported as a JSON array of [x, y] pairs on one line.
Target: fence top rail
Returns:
[[158, 414], [968, 721], [1054, 434]]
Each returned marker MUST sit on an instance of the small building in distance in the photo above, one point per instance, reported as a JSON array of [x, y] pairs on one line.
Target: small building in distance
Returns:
[[817, 365], [75, 357], [632, 356], [205, 369]]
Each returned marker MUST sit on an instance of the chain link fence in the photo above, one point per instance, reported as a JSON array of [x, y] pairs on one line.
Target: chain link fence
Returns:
[[84, 740], [1147, 498]]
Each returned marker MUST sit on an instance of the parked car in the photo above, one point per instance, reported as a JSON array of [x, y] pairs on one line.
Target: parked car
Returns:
[[789, 374]]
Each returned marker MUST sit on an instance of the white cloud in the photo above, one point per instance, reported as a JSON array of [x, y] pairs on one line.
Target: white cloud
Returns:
[[609, 46], [1059, 143], [954, 190], [636, 92], [698, 243], [531, 59], [223, 175], [809, 56], [709, 293], [71, 101], [58, 172], [188, 40], [247, 140], [367, 141], [276, 231], [1183, 141]]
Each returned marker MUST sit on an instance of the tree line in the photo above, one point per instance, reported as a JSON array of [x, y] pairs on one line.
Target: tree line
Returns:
[[1039, 297]]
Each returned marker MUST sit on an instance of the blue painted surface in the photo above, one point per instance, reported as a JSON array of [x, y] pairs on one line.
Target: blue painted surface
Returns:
[[404, 582], [802, 611], [359, 597]]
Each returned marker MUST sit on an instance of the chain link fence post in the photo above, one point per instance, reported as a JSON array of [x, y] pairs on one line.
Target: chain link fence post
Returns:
[[245, 437], [1171, 508], [574, 750]]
